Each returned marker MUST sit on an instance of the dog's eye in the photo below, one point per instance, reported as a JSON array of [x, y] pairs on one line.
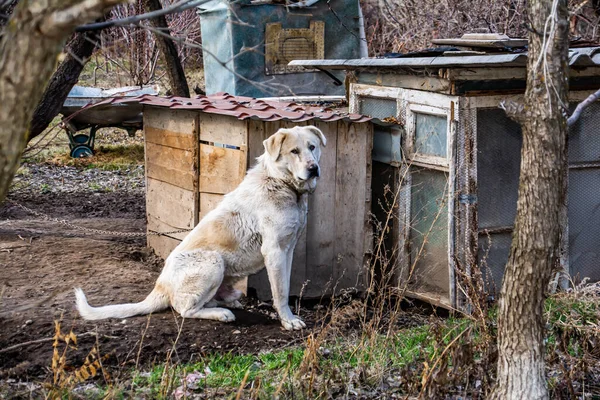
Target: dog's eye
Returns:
[[295, 151], [311, 147]]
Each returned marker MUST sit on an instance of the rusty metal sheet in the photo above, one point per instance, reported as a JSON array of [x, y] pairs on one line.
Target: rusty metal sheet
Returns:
[[239, 107]]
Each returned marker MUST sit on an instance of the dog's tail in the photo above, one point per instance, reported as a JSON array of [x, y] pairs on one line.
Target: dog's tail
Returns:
[[155, 301]]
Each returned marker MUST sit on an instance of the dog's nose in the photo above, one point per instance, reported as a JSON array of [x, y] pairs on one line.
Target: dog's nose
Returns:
[[313, 170]]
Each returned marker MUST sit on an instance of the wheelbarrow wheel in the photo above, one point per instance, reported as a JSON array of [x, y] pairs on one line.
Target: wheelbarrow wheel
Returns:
[[76, 140], [81, 138], [81, 151]]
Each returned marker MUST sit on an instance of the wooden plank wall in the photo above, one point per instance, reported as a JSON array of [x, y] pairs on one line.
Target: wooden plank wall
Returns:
[[331, 252], [221, 169], [353, 232], [171, 141]]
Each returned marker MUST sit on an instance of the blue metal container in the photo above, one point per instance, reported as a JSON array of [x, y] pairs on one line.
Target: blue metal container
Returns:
[[246, 47]]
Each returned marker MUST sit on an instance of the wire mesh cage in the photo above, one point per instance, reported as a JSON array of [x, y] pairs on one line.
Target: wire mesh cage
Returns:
[[498, 161], [584, 196], [458, 186]]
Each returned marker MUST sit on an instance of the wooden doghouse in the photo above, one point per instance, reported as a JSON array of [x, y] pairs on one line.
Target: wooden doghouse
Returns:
[[457, 160], [197, 150]]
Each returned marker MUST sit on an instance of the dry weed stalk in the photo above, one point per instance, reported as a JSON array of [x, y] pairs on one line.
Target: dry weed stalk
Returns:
[[573, 318], [168, 378], [65, 376]]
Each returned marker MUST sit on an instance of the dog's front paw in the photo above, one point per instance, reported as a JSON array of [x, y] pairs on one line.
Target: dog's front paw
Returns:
[[226, 316], [293, 324]]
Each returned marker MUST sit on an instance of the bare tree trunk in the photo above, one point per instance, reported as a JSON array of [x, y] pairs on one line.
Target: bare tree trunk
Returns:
[[28, 53], [179, 85], [534, 252], [79, 50], [167, 47]]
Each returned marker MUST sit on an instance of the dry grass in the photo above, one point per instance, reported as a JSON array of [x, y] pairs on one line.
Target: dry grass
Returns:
[[362, 348], [106, 157], [66, 376]]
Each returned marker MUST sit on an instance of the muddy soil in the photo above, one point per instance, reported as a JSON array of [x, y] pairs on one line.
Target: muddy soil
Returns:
[[41, 261]]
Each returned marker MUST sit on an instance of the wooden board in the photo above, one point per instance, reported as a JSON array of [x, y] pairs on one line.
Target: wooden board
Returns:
[[162, 245], [171, 143], [169, 138], [168, 208], [221, 169], [352, 203], [223, 129], [178, 121], [169, 205], [168, 164], [256, 135], [320, 229], [208, 202]]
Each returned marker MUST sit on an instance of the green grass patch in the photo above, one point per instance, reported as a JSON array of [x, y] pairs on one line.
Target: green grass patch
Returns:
[[366, 360], [278, 369], [222, 371]]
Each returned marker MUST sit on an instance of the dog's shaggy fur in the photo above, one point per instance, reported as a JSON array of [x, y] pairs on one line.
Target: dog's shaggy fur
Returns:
[[255, 226]]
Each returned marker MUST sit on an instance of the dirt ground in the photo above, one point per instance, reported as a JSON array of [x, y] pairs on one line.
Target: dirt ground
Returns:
[[41, 261]]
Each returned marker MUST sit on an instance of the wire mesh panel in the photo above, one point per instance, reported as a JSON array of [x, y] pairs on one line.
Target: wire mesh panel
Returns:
[[498, 161], [429, 231], [377, 107], [584, 195]]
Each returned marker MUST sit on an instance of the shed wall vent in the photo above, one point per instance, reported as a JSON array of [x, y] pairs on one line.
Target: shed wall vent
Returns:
[[285, 45]]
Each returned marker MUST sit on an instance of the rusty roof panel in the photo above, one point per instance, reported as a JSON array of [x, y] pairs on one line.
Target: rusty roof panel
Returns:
[[241, 107]]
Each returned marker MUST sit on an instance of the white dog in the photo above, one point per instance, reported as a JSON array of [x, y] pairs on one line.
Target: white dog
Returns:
[[255, 226]]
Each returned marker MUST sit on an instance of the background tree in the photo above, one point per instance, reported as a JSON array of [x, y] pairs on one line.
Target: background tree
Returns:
[[535, 243], [177, 80], [29, 48], [78, 50]]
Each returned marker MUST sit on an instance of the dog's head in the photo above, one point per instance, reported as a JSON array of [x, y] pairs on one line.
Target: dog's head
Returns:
[[294, 154]]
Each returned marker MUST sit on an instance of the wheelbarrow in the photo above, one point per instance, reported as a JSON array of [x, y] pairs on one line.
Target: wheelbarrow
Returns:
[[126, 116]]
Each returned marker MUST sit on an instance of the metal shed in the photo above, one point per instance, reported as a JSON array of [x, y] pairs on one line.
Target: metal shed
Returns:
[[458, 156], [197, 150], [248, 44]]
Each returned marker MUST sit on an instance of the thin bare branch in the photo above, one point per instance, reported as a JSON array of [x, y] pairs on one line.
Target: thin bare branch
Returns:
[[582, 106], [134, 20]]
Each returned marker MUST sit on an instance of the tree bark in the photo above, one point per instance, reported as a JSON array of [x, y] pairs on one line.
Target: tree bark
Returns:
[[177, 79], [5, 12], [29, 47], [535, 244], [79, 48]]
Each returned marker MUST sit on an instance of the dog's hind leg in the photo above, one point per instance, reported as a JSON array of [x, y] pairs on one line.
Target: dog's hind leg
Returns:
[[199, 275], [227, 295], [216, 313]]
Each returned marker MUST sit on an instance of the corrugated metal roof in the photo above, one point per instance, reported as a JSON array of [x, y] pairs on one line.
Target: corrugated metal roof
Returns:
[[239, 107], [578, 57]]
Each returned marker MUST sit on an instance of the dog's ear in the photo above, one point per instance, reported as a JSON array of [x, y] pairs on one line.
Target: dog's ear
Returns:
[[274, 142], [318, 133]]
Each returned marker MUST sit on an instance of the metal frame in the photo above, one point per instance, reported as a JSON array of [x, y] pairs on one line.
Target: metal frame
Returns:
[[436, 104], [463, 226], [410, 102]]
